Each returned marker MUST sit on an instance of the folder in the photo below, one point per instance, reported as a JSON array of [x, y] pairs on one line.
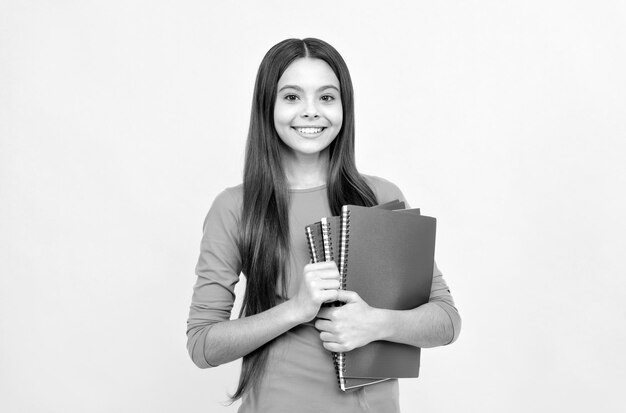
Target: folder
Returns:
[[371, 358], [388, 259]]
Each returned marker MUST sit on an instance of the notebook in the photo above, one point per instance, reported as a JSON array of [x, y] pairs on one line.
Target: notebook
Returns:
[[330, 228], [401, 246], [322, 236], [315, 242]]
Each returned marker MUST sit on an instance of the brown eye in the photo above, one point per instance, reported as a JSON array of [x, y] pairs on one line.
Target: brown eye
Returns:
[[327, 98], [291, 98]]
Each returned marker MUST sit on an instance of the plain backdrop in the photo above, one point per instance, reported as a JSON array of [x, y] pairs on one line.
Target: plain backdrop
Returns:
[[120, 121]]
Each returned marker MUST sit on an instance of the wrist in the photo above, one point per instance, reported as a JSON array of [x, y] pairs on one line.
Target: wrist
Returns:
[[293, 313], [383, 321]]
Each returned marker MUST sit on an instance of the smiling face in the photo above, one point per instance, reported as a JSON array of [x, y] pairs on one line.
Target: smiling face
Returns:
[[308, 112]]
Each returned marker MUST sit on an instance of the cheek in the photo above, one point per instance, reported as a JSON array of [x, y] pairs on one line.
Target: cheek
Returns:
[[334, 115], [277, 116], [337, 117], [283, 114]]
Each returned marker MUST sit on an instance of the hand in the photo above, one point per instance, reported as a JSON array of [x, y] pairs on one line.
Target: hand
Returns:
[[320, 283], [347, 327]]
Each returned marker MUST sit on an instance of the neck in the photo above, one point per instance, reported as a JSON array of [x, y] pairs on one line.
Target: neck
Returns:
[[305, 171]]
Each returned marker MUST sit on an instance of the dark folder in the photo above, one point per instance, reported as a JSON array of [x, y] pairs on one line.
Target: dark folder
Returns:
[[388, 259], [348, 377], [322, 237]]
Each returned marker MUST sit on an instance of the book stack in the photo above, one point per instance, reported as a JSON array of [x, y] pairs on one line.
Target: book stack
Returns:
[[386, 255]]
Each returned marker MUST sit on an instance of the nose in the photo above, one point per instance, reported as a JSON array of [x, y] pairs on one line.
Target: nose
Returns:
[[310, 111]]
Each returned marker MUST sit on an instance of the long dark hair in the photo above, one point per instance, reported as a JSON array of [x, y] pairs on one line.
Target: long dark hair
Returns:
[[264, 240]]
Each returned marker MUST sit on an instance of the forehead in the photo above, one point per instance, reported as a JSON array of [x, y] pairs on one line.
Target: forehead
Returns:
[[307, 72]]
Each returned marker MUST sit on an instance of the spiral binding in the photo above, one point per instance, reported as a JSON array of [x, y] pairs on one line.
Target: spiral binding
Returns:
[[309, 237], [343, 247], [328, 256], [340, 362], [326, 234]]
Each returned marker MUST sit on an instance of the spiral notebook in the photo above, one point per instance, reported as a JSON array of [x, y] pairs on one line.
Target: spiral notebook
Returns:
[[401, 246], [330, 229], [321, 237]]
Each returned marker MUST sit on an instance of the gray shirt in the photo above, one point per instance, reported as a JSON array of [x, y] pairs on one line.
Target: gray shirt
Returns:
[[300, 375]]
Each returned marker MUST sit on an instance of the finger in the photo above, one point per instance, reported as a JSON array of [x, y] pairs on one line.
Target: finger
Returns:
[[347, 296], [328, 274], [327, 295], [324, 265], [328, 337], [326, 313], [334, 347], [328, 284], [324, 325], [332, 265]]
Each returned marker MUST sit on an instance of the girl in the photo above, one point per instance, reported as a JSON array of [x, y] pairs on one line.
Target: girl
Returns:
[[299, 166]]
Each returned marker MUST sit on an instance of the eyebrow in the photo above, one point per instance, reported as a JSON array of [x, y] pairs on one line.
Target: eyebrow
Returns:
[[298, 88]]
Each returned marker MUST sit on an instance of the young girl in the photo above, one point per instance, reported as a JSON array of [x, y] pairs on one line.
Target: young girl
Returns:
[[299, 167]]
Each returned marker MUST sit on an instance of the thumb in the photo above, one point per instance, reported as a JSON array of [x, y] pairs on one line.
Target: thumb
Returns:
[[347, 296]]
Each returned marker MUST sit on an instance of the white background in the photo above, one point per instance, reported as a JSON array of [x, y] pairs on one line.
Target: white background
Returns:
[[120, 121]]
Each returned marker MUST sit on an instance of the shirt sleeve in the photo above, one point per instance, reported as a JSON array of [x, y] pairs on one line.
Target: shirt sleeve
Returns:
[[440, 295], [385, 190], [217, 271]]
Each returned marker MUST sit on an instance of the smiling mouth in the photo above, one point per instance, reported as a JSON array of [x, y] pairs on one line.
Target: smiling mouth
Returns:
[[309, 130]]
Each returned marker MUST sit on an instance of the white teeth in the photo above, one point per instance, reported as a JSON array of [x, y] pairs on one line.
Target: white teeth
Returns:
[[310, 131]]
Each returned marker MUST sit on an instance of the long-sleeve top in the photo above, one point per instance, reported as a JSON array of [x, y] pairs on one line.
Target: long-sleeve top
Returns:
[[299, 374]]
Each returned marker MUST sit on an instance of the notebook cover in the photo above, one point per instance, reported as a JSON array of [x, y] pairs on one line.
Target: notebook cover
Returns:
[[325, 234], [310, 242], [319, 241], [330, 228], [391, 205], [315, 242], [332, 236], [351, 383], [390, 259], [321, 236]]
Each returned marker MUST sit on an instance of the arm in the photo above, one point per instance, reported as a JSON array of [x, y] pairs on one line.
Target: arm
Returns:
[[355, 324], [212, 338], [230, 340], [433, 324]]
